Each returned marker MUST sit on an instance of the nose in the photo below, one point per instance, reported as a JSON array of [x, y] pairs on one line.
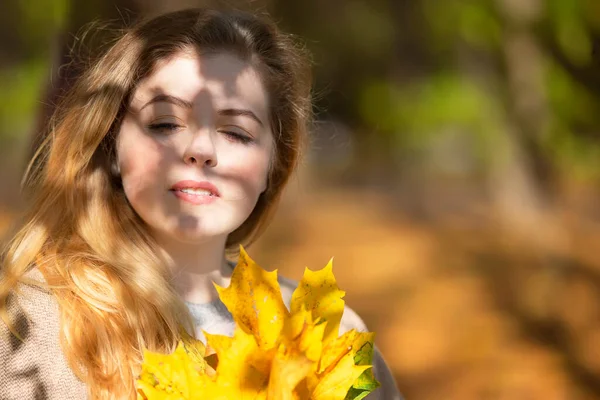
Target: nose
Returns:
[[201, 149]]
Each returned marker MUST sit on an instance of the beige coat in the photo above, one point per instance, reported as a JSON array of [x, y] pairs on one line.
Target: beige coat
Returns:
[[36, 369]]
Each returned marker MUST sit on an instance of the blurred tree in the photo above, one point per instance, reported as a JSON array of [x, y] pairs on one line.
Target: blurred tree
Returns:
[[27, 45]]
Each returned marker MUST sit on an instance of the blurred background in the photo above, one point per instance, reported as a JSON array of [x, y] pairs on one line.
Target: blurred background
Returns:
[[453, 173]]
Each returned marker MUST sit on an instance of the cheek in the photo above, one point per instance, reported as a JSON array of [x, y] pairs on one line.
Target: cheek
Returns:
[[251, 171], [141, 161]]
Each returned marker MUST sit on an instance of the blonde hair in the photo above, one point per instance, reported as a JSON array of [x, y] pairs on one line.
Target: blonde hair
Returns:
[[94, 251]]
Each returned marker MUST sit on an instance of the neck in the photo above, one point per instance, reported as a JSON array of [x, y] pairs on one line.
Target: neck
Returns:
[[195, 266]]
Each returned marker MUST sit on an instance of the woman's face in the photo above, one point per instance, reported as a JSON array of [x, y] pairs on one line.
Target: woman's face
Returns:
[[194, 149]]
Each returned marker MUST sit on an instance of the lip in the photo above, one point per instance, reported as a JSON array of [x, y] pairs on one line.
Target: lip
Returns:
[[195, 199], [189, 184]]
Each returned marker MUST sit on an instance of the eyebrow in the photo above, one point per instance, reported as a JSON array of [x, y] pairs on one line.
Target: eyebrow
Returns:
[[228, 112], [235, 112], [166, 98]]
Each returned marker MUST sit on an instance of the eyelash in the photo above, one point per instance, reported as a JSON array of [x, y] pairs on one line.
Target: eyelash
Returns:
[[162, 126], [239, 137]]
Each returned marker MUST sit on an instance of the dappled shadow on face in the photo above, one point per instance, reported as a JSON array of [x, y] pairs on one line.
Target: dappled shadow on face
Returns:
[[218, 88]]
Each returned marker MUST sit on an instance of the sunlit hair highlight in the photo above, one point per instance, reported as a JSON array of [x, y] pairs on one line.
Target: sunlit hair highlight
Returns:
[[94, 251]]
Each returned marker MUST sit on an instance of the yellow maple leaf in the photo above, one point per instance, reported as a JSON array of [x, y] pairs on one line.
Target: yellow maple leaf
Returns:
[[287, 370], [335, 384], [172, 376], [274, 354], [318, 292], [254, 300], [242, 367]]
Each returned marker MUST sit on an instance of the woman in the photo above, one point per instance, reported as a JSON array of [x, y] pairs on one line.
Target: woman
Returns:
[[170, 150]]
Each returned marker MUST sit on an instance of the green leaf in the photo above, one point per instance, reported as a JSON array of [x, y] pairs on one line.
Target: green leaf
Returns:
[[366, 382]]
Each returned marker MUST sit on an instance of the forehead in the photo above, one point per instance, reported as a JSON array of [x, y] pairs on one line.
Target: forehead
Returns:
[[218, 77]]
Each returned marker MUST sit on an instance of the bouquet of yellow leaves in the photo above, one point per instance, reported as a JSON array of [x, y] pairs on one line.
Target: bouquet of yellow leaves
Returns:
[[274, 354]]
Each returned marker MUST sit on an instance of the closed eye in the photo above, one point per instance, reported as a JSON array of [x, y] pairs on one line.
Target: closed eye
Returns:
[[164, 127], [238, 137]]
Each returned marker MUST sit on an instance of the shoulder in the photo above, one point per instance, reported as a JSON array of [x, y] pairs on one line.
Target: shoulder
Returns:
[[35, 366]]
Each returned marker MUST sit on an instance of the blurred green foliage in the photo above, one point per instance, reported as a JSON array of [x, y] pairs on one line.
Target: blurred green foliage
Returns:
[[411, 72], [572, 140], [40, 18], [571, 28], [474, 22], [21, 90], [24, 76]]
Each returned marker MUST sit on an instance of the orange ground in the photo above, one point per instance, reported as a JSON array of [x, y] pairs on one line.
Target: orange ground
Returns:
[[461, 310]]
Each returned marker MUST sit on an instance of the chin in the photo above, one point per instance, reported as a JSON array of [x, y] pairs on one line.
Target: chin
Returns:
[[196, 236], [194, 230], [202, 233]]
